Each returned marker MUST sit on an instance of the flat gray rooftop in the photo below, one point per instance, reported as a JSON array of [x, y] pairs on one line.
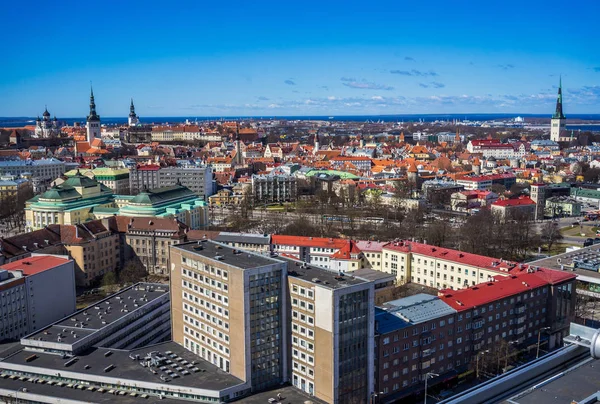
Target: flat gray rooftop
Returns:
[[107, 311], [289, 394], [226, 254], [191, 370], [565, 262], [372, 274], [573, 386], [418, 308], [326, 278], [76, 394], [250, 238]]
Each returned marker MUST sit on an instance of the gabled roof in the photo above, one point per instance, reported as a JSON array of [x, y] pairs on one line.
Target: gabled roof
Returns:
[[346, 252]]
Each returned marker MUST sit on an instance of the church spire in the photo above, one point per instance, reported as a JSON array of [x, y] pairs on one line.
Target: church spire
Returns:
[[93, 116], [131, 109], [558, 114]]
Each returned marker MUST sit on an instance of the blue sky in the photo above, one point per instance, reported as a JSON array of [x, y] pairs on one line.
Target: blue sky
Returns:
[[202, 58]]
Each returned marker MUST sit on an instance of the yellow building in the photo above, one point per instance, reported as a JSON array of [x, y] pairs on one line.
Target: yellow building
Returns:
[[225, 197], [71, 202], [438, 267]]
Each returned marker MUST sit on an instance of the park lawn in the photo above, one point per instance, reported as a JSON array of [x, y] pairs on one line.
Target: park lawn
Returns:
[[576, 231], [559, 248]]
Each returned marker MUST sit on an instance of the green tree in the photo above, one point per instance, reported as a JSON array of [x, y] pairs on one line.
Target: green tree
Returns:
[[109, 282], [133, 271]]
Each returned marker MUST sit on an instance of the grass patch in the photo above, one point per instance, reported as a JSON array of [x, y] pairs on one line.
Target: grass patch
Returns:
[[576, 231], [559, 248]]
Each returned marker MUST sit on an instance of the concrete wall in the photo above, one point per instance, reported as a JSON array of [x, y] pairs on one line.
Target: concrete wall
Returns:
[[51, 295]]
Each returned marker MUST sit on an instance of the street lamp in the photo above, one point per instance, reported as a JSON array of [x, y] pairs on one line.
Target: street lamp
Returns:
[[506, 355], [537, 355], [374, 395], [477, 362], [427, 376], [22, 389]]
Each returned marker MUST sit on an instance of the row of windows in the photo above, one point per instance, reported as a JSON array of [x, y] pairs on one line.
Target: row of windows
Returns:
[[209, 294], [307, 332], [212, 319], [204, 267], [303, 305], [206, 340], [303, 317], [303, 291]]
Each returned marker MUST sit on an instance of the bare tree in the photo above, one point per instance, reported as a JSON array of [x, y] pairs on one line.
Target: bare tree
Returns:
[[550, 234]]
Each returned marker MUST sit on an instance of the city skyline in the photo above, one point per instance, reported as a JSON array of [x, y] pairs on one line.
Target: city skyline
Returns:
[[325, 59]]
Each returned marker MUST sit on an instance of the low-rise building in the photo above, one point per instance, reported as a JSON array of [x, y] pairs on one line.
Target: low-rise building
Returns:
[[314, 250], [521, 207], [134, 317], [17, 189], [274, 188], [260, 243], [443, 337], [176, 201], [43, 168], [71, 202], [117, 179], [468, 201], [485, 182], [148, 239], [560, 206]]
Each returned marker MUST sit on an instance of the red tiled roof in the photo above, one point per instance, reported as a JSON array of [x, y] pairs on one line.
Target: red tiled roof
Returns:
[[346, 252], [521, 201], [35, 265]]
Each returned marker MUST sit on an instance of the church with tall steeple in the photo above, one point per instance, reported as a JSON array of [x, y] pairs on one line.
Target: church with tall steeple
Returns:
[[558, 122], [93, 120], [133, 119]]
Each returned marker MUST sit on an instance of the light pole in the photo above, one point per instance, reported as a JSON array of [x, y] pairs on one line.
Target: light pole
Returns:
[[506, 356], [537, 355], [427, 375], [374, 395], [477, 362]]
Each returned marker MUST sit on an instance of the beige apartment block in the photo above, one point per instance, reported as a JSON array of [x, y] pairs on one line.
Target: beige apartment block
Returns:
[[229, 308]]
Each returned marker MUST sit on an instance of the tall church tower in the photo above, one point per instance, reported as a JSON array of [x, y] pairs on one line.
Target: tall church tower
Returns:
[[538, 195], [558, 121], [93, 120], [133, 118], [238, 150]]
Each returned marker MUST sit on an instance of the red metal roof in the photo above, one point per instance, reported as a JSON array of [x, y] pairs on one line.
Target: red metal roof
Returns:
[[459, 257], [35, 265], [308, 241], [484, 293]]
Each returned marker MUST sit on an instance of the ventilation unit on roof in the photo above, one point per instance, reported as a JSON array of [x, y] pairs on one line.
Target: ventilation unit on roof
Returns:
[[316, 280]]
